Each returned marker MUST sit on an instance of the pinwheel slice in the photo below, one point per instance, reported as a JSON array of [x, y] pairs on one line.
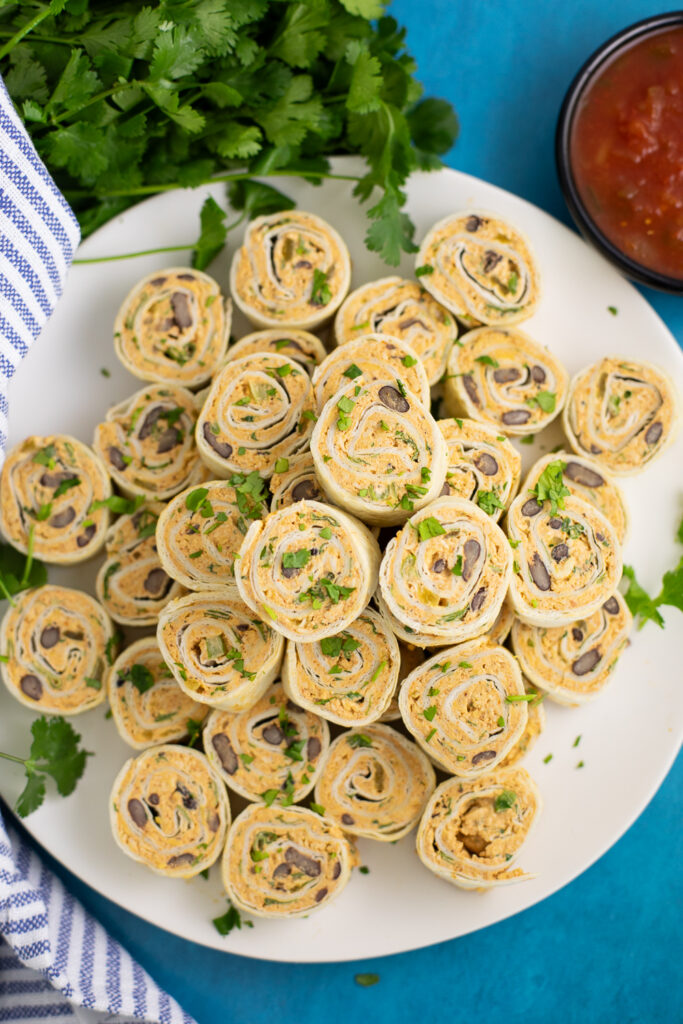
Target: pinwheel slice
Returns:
[[132, 584], [472, 832], [480, 267], [170, 811], [483, 466], [284, 862], [349, 678], [55, 641], [270, 754], [200, 531], [370, 358], [587, 479], [567, 559], [465, 706], [294, 480], [404, 310], [53, 488], [375, 783], [292, 269], [308, 570], [147, 442], [535, 724], [260, 408], [574, 663], [218, 652], [147, 704], [444, 575], [378, 452], [173, 327], [505, 379], [622, 413], [298, 346]]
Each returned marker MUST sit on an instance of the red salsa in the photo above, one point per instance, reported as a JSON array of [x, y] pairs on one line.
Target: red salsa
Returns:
[[627, 151]]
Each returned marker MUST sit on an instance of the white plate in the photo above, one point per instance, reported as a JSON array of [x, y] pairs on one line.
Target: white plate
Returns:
[[629, 736]]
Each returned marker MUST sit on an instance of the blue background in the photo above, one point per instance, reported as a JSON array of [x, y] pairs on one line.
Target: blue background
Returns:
[[606, 948]]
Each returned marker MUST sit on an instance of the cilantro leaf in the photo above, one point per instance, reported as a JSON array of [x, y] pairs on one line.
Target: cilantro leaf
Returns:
[[211, 236], [550, 485], [640, 604], [229, 920], [54, 751]]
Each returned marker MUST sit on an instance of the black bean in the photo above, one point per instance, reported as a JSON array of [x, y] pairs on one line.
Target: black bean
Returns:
[[611, 606], [155, 581], [320, 895], [491, 260], [31, 686], [153, 798], [226, 755], [188, 800], [471, 550], [336, 870], [116, 458], [221, 448], [393, 399], [515, 417], [302, 265], [55, 479], [555, 523], [137, 811], [306, 490], [347, 819], [473, 223], [483, 756], [654, 432], [306, 864], [186, 277], [439, 565], [273, 734], [61, 519], [538, 374], [471, 388], [282, 870], [506, 375], [595, 450], [157, 282], [181, 309], [84, 538], [486, 464], [478, 599], [150, 421], [539, 573], [446, 489], [531, 508], [214, 822], [180, 860], [50, 636], [587, 662], [289, 571], [313, 748], [577, 634], [168, 441], [583, 475], [559, 552], [410, 322]]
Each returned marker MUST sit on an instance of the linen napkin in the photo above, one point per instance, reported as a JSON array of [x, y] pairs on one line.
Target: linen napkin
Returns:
[[56, 962]]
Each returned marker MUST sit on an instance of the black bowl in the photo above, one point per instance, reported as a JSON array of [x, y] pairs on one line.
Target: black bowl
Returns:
[[577, 208]]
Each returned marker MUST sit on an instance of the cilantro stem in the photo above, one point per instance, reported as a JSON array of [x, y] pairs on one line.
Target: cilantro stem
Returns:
[[94, 99], [151, 252], [24, 31], [29, 559], [6, 593], [11, 757]]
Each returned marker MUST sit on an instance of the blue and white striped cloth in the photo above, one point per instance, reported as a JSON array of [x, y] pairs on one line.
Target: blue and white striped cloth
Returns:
[[56, 962]]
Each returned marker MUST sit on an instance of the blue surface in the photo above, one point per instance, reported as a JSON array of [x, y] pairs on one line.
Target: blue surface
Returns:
[[606, 948]]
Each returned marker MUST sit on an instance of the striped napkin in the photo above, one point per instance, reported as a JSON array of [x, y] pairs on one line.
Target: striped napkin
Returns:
[[56, 962]]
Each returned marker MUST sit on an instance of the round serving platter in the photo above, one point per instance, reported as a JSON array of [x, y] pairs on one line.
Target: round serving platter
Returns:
[[629, 736]]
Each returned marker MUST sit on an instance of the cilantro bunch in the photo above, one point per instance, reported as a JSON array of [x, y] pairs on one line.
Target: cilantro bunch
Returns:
[[55, 751], [124, 100]]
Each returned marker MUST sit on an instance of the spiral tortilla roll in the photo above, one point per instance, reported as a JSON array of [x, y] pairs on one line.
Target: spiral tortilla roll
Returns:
[[465, 706], [298, 346], [404, 310], [295, 480], [480, 267], [147, 442], [292, 269], [378, 452], [483, 466], [622, 413], [444, 575], [132, 584], [375, 783], [200, 531], [49, 485], [574, 663], [170, 811], [586, 479], [147, 704], [567, 562], [370, 358], [472, 832], [284, 862], [173, 327], [535, 724], [349, 678], [218, 652], [505, 379], [260, 408], [308, 570], [270, 754], [56, 641]]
